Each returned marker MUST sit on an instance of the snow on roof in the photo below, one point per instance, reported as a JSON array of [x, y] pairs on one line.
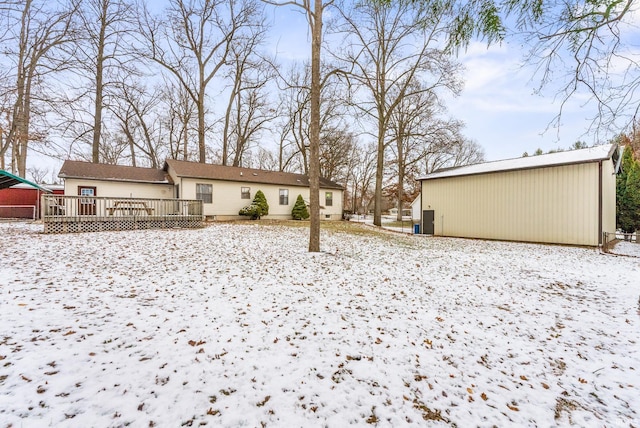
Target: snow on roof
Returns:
[[44, 186], [591, 154]]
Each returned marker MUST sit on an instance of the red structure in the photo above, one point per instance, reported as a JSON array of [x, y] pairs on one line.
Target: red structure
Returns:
[[23, 201]]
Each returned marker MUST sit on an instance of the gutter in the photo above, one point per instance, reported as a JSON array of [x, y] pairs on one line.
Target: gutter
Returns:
[[499, 171]]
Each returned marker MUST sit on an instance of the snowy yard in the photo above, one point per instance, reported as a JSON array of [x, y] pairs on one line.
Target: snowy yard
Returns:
[[237, 325]]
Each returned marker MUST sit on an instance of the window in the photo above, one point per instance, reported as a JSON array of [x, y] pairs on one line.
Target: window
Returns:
[[204, 192], [87, 204], [87, 191], [245, 192], [328, 199], [284, 196]]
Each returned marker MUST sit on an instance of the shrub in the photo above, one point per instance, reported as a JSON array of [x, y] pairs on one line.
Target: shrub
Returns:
[[261, 201], [299, 211], [252, 211], [258, 207]]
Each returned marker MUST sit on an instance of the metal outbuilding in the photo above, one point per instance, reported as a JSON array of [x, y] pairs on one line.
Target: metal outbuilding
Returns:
[[20, 198], [561, 198]]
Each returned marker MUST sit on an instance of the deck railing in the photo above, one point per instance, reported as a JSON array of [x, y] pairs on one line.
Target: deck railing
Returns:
[[62, 214]]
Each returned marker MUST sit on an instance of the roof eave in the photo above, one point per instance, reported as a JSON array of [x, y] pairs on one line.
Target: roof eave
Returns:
[[74, 177], [516, 169]]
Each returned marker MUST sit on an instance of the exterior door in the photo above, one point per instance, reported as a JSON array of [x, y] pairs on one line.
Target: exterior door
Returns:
[[428, 217], [87, 204]]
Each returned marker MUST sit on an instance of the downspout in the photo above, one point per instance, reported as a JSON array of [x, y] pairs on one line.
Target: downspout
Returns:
[[421, 206], [599, 203]]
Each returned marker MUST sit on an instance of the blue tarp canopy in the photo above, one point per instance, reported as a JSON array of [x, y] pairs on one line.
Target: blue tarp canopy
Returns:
[[7, 180]]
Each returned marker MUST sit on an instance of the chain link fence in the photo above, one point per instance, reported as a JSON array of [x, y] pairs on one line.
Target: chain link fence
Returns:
[[609, 239]]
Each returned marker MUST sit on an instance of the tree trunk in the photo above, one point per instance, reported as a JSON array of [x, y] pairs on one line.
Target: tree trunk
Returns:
[[17, 135], [401, 172], [185, 138], [377, 206], [97, 116], [314, 137], [400, 194], [202, 149], [227, 121]]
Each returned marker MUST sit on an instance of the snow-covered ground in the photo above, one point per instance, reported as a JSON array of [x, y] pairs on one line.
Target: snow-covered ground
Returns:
[[238, 325], [626, 248]]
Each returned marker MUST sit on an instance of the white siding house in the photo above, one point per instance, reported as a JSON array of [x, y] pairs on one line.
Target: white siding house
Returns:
[[224, 190], [230, 188], [562, 198], [86, 178]]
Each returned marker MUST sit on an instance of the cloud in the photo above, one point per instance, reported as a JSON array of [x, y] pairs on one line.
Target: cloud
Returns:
[[502, 110]]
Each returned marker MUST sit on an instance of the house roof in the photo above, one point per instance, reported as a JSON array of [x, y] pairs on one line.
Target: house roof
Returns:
[[248, 175], [97, 171], [8, 180], [591, 154]]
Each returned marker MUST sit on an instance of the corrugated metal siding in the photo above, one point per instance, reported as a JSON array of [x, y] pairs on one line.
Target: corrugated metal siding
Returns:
[[13, 196], [555, 205]]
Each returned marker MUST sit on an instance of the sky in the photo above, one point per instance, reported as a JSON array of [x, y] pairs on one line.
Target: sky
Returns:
[[498, 105], [504, 115]]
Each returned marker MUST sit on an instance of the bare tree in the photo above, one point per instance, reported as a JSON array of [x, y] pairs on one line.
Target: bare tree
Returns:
[[192, 42], [140, 123], [265, 159], [587, 46], [335, 139], [361, 177], [35, 33], [447, 154], [408, 127], [575, 45], [38, 175], [314, 13], [419, 130], [336, 147], [295, 102], [248, 109], [287, 151], [5, 124], [103, 57], [113, 150], [387, 47], [180, 122]]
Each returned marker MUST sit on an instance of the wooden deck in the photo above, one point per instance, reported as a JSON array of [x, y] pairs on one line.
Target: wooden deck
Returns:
[[71, 214]]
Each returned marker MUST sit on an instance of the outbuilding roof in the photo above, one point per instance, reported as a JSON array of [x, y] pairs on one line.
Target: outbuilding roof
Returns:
[[8, 180], [98, 171], [248, 175], [591, 154]]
